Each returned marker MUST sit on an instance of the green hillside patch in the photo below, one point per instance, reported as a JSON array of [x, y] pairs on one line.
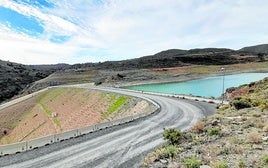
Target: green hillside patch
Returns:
[[118, 102]]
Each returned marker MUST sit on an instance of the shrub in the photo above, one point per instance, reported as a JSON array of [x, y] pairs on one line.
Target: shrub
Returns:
[[224, 107], [241, 164], [255, 103], [231, 89], [264, 160], [240, 104], [192, 162], [263, 106], [236, 140], [199, 127], [151, 158], [221, 165], [173, 136], [254, 138], [214, 131], [169, 151]]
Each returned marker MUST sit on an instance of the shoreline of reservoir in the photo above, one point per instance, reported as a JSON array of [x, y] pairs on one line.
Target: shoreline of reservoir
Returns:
[[186, 77], [204, 86]]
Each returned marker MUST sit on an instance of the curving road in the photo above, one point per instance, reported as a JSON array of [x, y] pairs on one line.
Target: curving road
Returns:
[[119, 146]]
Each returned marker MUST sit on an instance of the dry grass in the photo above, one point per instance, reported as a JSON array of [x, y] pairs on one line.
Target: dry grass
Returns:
[[254, 137], [199, 126]]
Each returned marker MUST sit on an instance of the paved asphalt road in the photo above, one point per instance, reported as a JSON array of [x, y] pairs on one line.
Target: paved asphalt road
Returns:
[[120, 146]]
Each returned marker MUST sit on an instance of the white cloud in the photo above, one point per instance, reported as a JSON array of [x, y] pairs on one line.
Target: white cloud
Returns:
[[52, 23], [119, 29], [20, 48]]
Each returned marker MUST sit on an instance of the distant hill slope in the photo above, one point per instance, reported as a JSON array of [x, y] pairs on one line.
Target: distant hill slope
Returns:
[[14, 77], [175, 58], [262, 48]]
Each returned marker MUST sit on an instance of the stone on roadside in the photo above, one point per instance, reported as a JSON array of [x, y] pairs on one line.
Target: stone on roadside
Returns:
[[205, 166], [265, 138], [258, 147], [215, 122], [163, 161]]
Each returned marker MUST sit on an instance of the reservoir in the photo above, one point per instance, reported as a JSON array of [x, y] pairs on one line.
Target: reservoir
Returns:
[[205, 87]]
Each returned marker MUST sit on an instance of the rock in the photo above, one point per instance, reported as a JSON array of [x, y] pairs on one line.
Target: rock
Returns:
[[157, 165], [205, 166], [258, 147], [239, 132], [215, 122], [163, 161], [236, 123], [265, 138]]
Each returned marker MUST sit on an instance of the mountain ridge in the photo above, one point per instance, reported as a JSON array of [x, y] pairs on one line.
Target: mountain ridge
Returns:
[[261, 48], [15, 77]]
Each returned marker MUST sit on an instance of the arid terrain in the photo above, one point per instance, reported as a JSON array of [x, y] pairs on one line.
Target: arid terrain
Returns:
[[62, 109], [233, 137], [169, 65], [236, 136]]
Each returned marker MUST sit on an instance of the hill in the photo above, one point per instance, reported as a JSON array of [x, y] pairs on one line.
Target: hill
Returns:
[[14, 77], [262, 48], [177, 57]]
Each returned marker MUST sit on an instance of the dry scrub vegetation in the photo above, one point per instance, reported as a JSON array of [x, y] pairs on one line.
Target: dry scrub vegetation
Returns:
[[233, 137]]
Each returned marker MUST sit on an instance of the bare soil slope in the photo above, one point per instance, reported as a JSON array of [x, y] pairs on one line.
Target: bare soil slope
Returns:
[[64, 109]]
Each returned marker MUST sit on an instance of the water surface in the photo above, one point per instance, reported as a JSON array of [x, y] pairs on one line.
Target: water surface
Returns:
[[206, 87]]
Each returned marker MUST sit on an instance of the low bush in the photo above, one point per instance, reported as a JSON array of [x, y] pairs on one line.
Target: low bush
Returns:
[[220, 165], [198, 127], [169, 151], [254, 137], [192, 162], [173, 136], [231, 89], [240, 104], [264, 160], [263, 106], [241, 164], [214, 131]]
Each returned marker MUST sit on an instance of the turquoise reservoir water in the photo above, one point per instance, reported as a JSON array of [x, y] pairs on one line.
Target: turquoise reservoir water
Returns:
[[206, 87]]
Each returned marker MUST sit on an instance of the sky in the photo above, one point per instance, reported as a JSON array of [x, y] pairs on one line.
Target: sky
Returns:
[[79, 31]]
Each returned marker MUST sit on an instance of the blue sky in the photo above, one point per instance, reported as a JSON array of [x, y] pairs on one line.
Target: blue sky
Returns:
[[51, 31]]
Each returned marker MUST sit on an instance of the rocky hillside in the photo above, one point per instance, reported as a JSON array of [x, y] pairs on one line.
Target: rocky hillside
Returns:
[[14, 78], [176, 57], [236, 136], [262, 48]]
